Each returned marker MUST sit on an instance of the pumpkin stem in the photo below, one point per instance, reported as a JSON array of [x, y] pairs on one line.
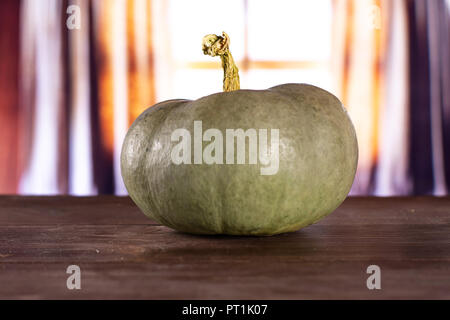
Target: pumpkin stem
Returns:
[[214, 45]]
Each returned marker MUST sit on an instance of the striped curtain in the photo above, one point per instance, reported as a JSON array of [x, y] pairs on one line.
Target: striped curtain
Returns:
[[391, 67], [68, 95], [11, 153], [79, 91], [429, 81]]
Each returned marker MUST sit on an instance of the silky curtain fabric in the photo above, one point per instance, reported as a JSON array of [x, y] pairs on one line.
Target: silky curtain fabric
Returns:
[[429, 95], [10, 152], [78, 92], [391, 66], [67, 97]]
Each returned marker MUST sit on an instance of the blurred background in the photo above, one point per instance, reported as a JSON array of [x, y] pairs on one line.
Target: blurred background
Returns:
[[75, 74]]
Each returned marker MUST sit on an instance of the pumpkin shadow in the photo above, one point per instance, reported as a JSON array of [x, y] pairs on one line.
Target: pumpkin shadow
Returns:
[[296, 245]]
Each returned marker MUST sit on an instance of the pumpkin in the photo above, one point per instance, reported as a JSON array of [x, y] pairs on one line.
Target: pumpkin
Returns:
[[241, 162]]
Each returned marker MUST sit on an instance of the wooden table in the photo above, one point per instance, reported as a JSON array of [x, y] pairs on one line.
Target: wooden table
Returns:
[[122, 254]]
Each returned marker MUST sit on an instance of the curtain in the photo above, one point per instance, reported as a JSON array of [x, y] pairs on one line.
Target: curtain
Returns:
[[429, 95], [68, 95], [10, 159], [391, 68], [80, 89]]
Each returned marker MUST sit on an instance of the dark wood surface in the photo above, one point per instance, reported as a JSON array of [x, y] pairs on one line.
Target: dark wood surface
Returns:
[[123, 254]]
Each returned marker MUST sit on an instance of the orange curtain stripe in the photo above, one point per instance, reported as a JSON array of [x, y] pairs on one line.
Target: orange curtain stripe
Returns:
[[9, 112], [105, 73], [141, 89]]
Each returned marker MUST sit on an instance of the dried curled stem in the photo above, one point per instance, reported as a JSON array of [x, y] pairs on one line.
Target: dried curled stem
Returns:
[[214, 45]]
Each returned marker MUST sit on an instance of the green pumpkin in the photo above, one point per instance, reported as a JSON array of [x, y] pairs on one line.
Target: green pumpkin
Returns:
[[310, 175]]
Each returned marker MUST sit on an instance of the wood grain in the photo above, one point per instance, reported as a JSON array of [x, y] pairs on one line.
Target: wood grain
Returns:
[[122, 254]]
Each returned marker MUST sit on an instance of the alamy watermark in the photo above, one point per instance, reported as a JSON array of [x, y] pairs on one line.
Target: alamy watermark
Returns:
[[374, 281], [74, 280], [74, 19], [374, 13], [213, 153]]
